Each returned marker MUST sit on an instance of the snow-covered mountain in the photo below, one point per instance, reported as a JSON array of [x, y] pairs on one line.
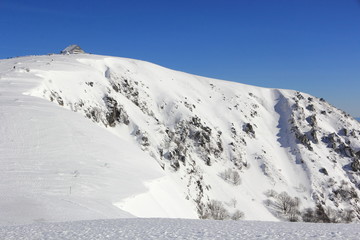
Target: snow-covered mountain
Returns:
[[88, 137]]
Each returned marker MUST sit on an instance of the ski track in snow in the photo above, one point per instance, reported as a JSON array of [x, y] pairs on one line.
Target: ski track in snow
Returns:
[[159, 229]]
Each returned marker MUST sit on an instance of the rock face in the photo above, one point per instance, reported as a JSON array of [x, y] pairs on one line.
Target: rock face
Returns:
[[230, 147], [72, 49]]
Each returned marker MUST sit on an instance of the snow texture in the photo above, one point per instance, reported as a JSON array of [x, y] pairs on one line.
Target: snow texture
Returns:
[[180, 229]]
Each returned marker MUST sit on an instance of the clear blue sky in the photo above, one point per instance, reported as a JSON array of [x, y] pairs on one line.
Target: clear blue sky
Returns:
[[308, 45]]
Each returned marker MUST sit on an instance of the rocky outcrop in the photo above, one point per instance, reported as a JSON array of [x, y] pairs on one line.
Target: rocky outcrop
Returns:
[[248, 128], [302, 138], [116, 112], [72, 49], [355, 165]]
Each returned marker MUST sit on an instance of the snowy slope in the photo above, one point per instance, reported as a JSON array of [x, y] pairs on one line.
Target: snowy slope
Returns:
[[90, 137], [58, 166]]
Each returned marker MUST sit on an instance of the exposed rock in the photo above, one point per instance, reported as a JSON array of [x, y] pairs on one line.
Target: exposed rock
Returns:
[[299, 96], [115, 113], [357, 154], [302, 138], [353, 133], [323, 171], [310, 107], [348, 152], [94, 113], [57, 97], [248, 128], [314, 135], [332, 140], [305, 141], [312, 120], [344, 132], [345, 150], [355, 165], [72, 49]]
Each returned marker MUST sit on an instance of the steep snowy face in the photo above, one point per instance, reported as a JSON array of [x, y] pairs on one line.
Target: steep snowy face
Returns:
[[230, 150]]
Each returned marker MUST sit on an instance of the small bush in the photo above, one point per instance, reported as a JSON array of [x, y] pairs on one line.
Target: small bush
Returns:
[[271, 193], [232, 203], [237, 215], [231, 176], [327, 215], [284, 205], [217, 210], [308, 215]]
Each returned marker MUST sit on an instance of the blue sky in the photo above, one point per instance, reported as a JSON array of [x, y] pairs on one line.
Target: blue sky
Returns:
[[308, 45]]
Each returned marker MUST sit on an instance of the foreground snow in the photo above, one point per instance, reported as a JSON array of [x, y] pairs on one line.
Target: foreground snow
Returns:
[[179, 229]]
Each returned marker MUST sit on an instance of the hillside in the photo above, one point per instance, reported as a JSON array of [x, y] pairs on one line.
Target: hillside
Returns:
[[88, 137]]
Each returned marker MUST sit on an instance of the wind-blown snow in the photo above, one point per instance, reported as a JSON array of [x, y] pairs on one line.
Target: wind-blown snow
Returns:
[[88, 137]]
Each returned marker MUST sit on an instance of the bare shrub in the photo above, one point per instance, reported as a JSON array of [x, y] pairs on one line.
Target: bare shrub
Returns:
[[271, 193], [285, 203], [237, 215], [287, 206], [232, 202], [217, 210], [321, 215], [348, 215], [308, 215], [327, 215], [231, 176]]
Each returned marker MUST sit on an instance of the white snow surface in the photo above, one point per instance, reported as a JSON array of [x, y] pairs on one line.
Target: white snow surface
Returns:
[[160, 229], [87, 137]]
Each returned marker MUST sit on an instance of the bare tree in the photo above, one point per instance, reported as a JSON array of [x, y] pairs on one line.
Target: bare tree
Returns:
[[285, 203], [348, 215], [233, 202], [235, 178], [217, 210], [308, 215], [231, 176], [237, 215]]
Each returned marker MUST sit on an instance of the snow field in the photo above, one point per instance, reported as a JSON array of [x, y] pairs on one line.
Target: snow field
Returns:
[[161, 229]]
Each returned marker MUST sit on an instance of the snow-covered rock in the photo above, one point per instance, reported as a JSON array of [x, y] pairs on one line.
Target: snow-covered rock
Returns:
[[72, 49], [87, 137]]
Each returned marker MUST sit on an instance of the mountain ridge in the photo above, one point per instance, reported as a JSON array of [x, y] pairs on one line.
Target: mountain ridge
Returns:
[[227, 149]]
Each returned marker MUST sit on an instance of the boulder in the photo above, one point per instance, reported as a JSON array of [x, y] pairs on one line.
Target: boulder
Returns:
[[248, 128]]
